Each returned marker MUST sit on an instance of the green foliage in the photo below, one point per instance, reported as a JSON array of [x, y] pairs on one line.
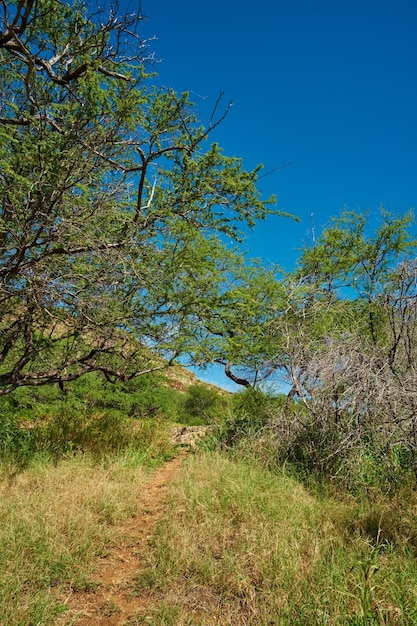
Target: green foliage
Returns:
[[99, 435], [347, 254], [249, 414], [202, 405], [144, 397], [17, 445], [73, 432], [98, 255], [93, 416]]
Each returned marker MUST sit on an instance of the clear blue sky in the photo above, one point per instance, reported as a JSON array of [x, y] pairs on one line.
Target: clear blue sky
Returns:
[[329, 86]]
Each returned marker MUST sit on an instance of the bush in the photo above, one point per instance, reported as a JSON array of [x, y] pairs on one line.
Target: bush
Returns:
[[98, 434], [83, 432], [251, 411], [147, 396], [316, 451], [201, 405]]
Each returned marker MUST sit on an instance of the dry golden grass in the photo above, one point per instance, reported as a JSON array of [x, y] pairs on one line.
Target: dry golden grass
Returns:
[[242, 546], [237, 545], [53, 521]]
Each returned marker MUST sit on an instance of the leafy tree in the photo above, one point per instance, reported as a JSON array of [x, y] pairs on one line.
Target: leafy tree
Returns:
[[349, 256], [236, 305], [347, 345], [110, 195]]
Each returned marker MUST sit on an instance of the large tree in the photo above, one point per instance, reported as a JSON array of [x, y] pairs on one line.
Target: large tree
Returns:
[[347, 345], [108, 186]]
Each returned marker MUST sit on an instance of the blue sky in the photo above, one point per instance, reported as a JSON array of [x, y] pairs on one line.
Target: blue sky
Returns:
[[330, 87]]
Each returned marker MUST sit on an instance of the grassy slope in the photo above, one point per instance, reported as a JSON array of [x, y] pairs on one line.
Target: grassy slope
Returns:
[[69, 468], [243, 546], [53, 521], [239, 544]]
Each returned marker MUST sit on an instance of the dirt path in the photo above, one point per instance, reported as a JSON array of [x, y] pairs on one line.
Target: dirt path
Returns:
[[113, 601]]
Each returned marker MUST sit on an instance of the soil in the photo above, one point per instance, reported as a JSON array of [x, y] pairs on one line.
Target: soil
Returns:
[[113, 597]]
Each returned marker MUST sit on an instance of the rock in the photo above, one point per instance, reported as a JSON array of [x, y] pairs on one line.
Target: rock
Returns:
[[188, 435]]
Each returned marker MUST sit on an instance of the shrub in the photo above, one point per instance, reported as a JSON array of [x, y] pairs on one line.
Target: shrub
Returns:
[[251, 412], [201, 405]]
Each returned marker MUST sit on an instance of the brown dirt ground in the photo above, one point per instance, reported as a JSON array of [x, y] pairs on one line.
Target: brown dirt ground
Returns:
[[113, 598]]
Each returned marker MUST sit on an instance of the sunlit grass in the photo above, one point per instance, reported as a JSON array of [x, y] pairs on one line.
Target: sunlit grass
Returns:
[[53, 521], [238, 544], [241, 545]]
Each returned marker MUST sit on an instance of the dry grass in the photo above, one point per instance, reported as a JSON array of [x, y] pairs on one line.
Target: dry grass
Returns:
[[245, 547], [53, 521], [238, 545]]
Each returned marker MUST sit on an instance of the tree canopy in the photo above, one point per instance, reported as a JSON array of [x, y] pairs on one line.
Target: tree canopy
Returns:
[[114, 203]]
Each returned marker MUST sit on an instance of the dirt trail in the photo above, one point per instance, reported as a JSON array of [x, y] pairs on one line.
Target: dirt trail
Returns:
[[113, 601]]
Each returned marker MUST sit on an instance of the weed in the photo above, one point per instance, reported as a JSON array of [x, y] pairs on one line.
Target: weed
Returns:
[[242, 545], [17, 445], [54, 519]]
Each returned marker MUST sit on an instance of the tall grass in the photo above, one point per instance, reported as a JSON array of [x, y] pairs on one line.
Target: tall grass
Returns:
[[104, 434], [70, 467], [53, 521], [242, 545], [101, 435], [65, 479]]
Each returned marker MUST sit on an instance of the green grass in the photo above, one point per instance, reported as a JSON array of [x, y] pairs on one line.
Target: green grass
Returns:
[[242, 541], [238, 545], [53, 521], [100, 434], [241, 545], [67, 477]]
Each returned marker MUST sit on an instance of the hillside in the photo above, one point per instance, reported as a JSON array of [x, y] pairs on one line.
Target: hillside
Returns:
[[105, 522], [203, 541]]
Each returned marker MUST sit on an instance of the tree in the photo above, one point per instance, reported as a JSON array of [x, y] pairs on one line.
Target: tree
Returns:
[[237, 303], [348, 256], [108, 188], [340, 285], [347, 344]]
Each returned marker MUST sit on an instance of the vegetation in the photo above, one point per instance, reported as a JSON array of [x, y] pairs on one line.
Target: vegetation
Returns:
[[111, 197], [114, 212], [54, 521], [243, 545], [101, 419], [202, 405], [348, 345]]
